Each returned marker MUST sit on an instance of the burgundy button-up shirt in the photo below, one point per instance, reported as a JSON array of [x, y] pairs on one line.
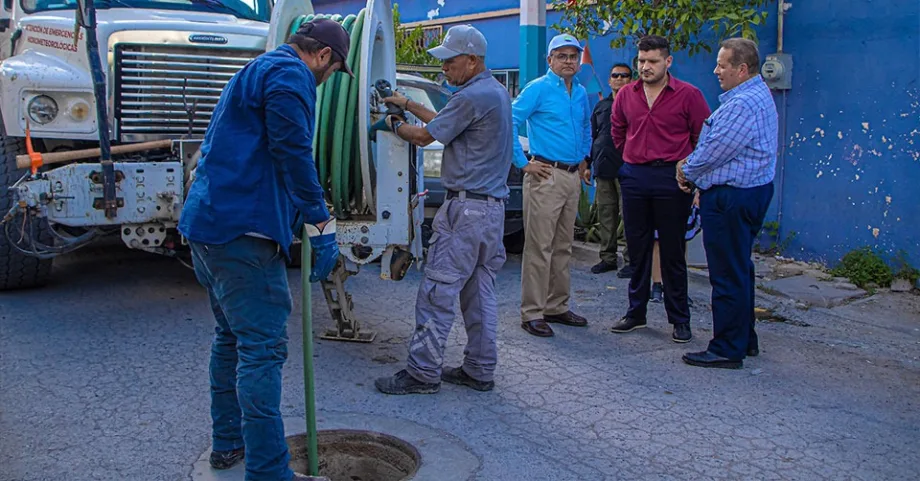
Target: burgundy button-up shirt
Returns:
[[668, 131]]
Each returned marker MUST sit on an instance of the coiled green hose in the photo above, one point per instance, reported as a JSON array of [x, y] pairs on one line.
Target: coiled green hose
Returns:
[[335, 134]]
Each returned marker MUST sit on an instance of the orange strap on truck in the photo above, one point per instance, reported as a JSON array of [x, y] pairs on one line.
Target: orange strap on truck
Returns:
[[34, 157]]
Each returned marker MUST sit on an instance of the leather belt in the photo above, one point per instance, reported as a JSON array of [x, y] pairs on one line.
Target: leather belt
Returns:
[[660, 163], [463, 195], [557, 164]]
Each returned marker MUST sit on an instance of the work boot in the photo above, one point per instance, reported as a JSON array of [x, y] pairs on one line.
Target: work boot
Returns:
[[657, 293], [226, 459], [603, 266], [403, 383], [456, 375]]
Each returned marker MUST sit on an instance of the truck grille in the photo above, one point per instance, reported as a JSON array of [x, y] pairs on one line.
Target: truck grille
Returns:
[[155, 85]]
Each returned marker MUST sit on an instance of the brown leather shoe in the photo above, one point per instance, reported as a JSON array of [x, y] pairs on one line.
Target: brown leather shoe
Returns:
[[538, 327], [568, 318]]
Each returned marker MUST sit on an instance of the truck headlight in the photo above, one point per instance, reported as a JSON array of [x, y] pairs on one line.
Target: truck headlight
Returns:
[[42, 109], [78, 109], [432, 162]]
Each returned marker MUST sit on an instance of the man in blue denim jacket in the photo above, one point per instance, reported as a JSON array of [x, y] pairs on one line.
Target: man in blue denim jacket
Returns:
[[255, 175]]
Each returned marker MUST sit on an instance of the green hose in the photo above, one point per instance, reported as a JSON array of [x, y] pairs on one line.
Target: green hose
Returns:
[[306, 307], [335, 134]]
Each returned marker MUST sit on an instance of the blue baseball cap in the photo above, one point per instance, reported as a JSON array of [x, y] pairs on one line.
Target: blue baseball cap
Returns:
[[564, 40], [460, 40]]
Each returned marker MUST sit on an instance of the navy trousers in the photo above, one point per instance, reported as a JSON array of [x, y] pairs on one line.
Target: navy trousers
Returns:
[[653, 201], [731, 218]]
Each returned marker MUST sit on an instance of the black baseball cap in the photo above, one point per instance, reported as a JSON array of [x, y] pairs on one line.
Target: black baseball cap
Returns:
[[331, 34]]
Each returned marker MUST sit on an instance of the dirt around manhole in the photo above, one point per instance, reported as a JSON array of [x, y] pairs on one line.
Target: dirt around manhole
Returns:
[[347, 455]]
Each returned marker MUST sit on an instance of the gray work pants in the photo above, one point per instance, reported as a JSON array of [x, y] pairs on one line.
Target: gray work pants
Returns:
[[464, 255]]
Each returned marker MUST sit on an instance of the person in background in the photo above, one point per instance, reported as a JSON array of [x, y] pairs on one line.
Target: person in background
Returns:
[[558, 117], [605, 166], [733, 165], [657, 123]]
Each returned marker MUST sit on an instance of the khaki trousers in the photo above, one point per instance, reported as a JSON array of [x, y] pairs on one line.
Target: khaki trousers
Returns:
[[609, 212], [550, 209]]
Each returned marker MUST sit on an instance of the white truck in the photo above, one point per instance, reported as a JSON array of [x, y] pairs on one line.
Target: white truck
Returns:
[[165, 63]]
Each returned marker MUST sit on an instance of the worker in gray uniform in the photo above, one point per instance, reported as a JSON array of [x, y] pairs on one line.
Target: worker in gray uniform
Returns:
[[465, 251]]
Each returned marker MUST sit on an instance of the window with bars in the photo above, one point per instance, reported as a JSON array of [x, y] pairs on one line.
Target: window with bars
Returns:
[[429, 35], [510, 79]]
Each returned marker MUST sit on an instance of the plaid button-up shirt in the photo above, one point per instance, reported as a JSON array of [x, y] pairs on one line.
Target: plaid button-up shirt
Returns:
[[739, 140]]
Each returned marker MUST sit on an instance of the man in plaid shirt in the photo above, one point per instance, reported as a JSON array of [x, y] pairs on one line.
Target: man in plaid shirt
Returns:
[[733, 166]]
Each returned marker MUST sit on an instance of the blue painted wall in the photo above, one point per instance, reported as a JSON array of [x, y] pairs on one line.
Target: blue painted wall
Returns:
[[850, 126]]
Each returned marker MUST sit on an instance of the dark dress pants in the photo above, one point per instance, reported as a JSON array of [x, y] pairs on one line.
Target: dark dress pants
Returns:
[[653, 201], [731, 218]]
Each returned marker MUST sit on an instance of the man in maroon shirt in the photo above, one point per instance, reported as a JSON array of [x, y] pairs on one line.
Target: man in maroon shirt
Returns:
[[656, 121]]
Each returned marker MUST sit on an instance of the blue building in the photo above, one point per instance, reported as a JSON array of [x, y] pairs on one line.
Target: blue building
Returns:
[[849, 160]]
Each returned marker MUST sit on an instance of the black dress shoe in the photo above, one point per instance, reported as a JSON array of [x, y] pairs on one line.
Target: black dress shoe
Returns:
[[538, 327], [626, 272], [628, 325], [603, 266], [682, 332], [708, 359], [753, 352], [226, 459], [567, 318]]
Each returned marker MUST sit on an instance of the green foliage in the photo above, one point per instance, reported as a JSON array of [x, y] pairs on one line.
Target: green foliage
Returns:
[[410, 43], [864, 267], [680, 21], [903, 269], [586, 223], [777, 246]]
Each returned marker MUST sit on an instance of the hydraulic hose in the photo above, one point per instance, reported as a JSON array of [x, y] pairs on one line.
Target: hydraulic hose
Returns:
[[335, 133]]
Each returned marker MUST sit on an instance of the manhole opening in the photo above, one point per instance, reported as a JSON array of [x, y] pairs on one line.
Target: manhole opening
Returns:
[[348, 455]]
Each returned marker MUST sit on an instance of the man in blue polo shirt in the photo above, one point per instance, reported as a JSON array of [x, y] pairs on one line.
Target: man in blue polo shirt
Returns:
[[255, 174], [558, 117]]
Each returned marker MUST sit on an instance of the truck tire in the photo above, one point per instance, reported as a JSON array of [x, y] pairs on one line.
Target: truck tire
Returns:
[[17, 270]]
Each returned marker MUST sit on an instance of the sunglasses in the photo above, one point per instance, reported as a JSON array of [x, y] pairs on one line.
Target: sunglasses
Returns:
[[620, 75]]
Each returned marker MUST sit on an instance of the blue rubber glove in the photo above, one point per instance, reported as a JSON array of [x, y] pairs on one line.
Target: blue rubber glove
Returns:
[[325, 250]]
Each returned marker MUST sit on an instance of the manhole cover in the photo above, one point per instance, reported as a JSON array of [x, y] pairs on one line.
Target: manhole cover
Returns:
[[348, 455]]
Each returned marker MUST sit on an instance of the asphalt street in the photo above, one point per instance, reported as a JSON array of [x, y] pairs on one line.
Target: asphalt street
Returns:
[[103, 376]]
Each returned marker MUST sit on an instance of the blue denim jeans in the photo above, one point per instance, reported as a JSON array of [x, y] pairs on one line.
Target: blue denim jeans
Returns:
[[247, 284]]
